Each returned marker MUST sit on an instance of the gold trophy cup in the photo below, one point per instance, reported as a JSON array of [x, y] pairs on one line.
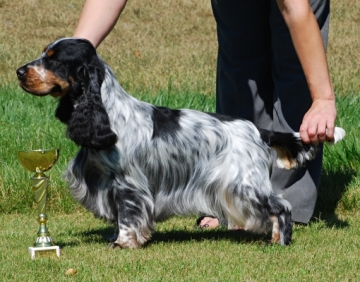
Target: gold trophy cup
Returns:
[[39, 161]]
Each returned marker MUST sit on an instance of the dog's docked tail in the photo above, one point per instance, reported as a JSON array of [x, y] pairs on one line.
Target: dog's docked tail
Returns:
[[291, 151]]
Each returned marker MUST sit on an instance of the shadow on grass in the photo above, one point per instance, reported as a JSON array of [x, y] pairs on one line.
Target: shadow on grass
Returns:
[[221, 234], [103, 235], [332, 188], [93, 236]]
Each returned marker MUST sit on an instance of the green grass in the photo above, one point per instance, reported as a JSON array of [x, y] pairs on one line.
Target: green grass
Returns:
[[339, 186], [178, 252]]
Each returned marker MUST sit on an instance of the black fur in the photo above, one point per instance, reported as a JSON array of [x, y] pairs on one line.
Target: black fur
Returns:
[[166, 122]]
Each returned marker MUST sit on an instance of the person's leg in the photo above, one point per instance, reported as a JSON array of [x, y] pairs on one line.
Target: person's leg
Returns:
[[244, 87], [242, 92], [292, 100]]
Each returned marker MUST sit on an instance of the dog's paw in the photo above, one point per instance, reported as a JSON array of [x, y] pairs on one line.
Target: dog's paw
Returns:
[[114, 245], [124, 244]]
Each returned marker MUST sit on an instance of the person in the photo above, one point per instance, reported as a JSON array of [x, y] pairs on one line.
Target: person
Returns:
[[271, 69]]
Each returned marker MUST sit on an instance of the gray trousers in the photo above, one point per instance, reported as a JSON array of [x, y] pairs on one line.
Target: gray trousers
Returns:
[[259, 78]]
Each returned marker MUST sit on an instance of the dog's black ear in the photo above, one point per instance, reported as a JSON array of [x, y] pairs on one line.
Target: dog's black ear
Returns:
[[64, 109], [89, 124]]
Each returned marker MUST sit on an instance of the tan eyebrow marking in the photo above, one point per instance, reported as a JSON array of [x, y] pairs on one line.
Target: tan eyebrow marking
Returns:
[[50, 52]]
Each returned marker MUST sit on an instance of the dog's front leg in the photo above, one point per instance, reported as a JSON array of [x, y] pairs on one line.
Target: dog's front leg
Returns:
[[128, 238], [135, 217]]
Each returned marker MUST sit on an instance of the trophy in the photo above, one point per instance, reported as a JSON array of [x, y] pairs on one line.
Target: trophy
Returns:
[[39, 161]]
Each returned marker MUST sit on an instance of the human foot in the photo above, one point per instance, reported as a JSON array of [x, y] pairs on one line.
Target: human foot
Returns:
[[211, 222], [207, 222]]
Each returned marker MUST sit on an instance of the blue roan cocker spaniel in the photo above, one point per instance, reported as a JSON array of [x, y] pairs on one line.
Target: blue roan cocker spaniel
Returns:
[[140, 163]]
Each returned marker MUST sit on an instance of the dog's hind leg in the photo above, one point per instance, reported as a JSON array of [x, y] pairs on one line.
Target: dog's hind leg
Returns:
[[275, 235], [280, 217], [285, 226]]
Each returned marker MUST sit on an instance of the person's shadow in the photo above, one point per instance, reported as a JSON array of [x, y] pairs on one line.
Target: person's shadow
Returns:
[[331, 190]]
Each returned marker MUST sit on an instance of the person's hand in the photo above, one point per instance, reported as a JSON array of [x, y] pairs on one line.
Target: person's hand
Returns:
[[319, 122]]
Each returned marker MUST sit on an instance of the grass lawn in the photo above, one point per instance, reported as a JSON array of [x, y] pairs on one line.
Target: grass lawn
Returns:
[[164, 52], [325, 250]]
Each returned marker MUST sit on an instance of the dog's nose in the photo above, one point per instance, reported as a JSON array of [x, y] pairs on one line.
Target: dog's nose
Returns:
[[20, 72]]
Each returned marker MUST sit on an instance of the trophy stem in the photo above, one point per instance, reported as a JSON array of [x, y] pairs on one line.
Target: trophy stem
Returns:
[[39, 186]]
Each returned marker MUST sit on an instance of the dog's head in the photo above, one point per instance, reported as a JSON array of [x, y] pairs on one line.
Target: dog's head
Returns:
[[70, 68]]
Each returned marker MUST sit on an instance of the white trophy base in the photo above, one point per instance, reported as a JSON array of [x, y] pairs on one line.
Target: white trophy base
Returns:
[[44, 251]]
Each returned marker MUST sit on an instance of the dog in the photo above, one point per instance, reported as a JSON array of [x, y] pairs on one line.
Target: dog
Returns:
[[139, 163]]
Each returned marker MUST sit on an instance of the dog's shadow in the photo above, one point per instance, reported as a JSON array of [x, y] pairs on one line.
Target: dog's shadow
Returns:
[[99, 236], [221, 234]]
